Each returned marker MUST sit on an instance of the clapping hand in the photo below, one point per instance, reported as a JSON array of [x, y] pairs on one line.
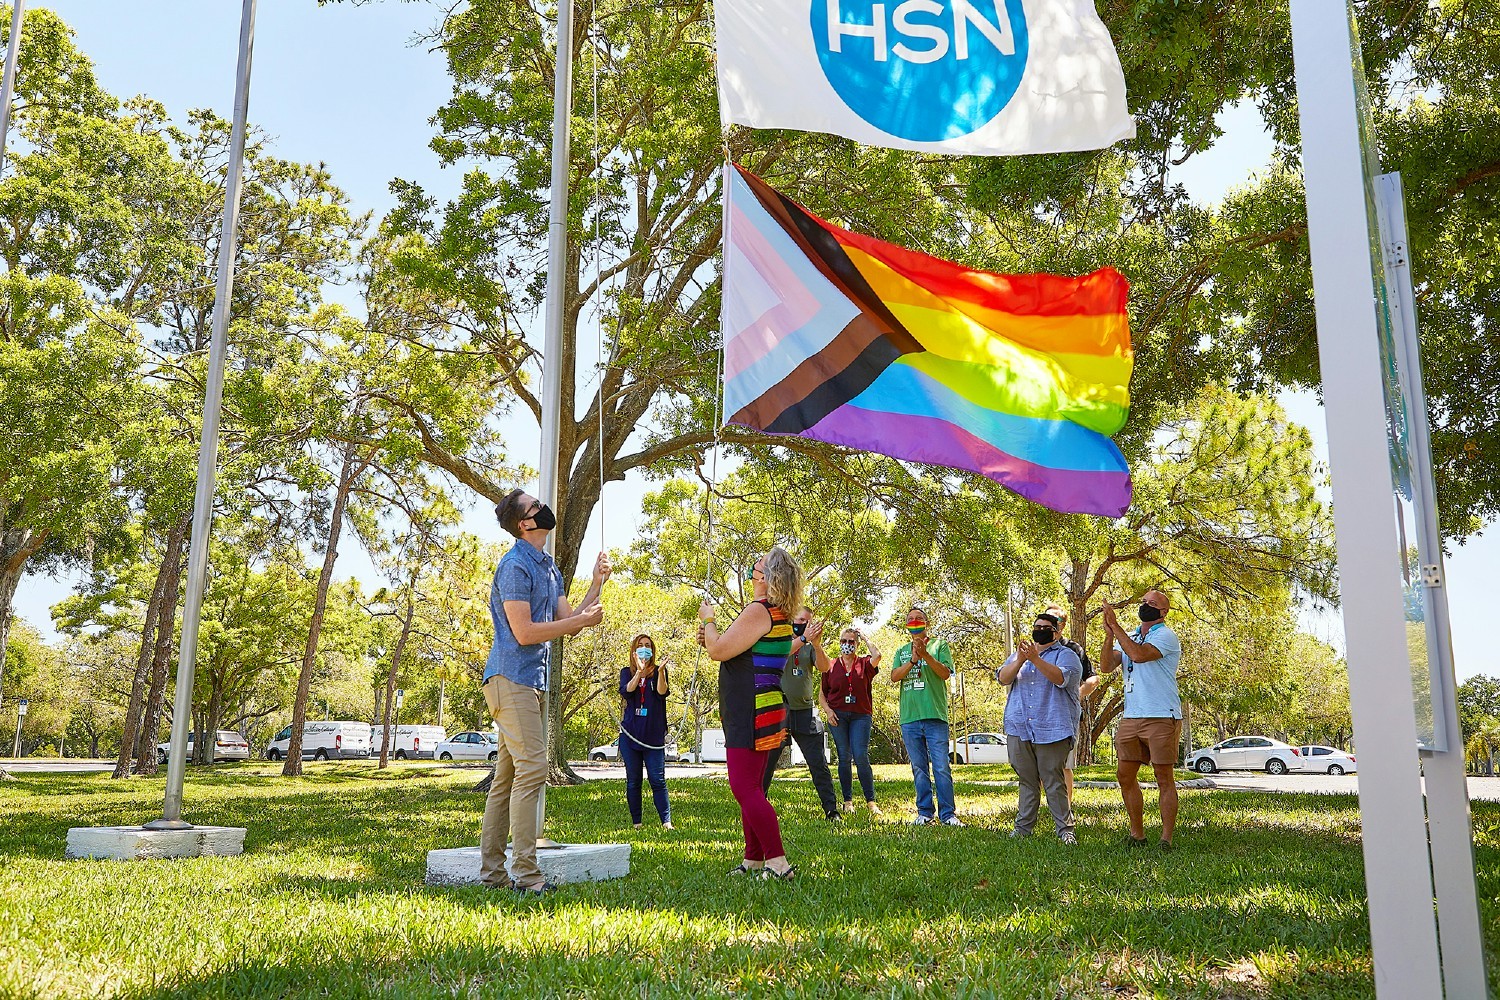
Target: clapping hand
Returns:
[[813, 633]]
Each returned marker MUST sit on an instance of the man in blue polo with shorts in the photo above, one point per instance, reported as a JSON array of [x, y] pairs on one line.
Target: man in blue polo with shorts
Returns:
[[1150, 728]]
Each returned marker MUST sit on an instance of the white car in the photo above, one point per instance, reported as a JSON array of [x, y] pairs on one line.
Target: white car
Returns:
[[470, 745], [1326, 760], [978, 748], [1247, 753], [228, 745], [611, 751]]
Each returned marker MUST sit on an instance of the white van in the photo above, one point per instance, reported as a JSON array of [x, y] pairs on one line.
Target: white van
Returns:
[[408, 741], [340, 740], [713, 746]]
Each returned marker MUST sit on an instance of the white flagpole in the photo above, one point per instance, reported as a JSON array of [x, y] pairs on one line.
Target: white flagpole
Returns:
[[557, 246], [208, 450], [8, 88]]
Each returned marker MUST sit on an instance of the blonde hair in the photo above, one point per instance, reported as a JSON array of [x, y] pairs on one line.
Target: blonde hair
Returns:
[[783, 580]]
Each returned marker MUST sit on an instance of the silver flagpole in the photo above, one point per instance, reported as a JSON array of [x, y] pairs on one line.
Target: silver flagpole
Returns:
[[557, 247], [8, 88], [208, 451]]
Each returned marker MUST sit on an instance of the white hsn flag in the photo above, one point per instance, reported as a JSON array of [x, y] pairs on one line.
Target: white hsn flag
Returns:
[[987, 77]]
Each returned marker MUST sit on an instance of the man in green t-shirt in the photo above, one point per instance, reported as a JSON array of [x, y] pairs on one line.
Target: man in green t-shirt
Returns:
[[922, 668]]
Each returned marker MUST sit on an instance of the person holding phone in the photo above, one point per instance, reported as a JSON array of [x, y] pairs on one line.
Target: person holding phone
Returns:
[[1150, 727], [800, 683], [848, 704], [643, 728], [1041, 720]]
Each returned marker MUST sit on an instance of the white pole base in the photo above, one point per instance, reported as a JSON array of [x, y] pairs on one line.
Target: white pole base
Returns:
[[566, 863], [136, 843]]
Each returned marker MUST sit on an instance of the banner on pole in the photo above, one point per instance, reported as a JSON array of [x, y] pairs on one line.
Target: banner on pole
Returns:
[[986, 77]]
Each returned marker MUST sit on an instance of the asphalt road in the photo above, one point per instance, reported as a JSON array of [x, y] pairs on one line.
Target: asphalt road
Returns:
[[1486, 789], [57, 765]]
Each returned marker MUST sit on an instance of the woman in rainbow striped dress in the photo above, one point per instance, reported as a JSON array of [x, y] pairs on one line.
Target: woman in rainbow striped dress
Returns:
[[751, 653]]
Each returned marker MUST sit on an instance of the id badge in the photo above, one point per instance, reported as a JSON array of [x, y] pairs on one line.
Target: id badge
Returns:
[[641, 711], [796, 671], [848, 699], [1129, 682]]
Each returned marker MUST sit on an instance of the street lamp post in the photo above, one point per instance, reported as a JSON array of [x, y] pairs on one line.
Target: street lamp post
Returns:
[[20, 718]]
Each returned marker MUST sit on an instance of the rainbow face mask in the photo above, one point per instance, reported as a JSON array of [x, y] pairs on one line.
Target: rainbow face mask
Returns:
[[916, 629]]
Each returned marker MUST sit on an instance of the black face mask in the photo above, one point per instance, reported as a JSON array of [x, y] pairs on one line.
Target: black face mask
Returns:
[[1149, 614], [544, 518], [799, 627], [1043, 635]]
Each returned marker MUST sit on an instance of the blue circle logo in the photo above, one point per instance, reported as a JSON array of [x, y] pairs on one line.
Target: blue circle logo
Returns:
[[924, 70]]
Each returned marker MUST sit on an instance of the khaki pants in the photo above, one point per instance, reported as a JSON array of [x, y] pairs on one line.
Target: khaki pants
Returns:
[[1039, 767], [520, 774]]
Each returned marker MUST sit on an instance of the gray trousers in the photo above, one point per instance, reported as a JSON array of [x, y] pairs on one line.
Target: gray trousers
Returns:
[[1038, 766]]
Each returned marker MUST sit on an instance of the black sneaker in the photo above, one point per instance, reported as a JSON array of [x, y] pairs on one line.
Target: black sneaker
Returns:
[[1133, 841]]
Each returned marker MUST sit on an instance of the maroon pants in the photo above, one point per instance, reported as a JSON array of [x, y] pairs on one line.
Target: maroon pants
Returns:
[[762, 829]]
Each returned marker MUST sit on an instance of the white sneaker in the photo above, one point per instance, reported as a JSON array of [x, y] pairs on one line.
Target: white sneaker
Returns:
[[952, 821], [1068, 838], [923, 821]]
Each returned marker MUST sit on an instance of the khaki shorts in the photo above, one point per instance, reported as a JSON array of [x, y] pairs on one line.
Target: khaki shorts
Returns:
[[1151, 741]]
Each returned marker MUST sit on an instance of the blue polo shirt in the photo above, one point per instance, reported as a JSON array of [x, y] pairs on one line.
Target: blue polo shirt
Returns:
[[1039, 711], [1151, 688], [525, 573]]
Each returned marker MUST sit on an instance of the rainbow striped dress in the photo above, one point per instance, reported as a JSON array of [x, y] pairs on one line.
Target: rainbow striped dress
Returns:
[[751, 705]]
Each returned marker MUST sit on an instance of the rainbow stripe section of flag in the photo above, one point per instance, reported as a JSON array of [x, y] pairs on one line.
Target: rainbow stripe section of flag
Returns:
[[842, 338]]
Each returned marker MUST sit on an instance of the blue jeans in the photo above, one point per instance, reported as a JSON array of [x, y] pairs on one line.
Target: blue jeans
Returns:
[[852, 737], [635, 757], [927, 743]]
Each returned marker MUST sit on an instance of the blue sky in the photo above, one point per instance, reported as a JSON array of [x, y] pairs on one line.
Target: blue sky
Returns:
[[350, 86]]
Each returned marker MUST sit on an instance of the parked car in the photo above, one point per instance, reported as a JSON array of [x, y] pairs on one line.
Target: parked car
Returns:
[[471, 745], [1247, 753], [325, 740], [228, 745], [979, 748], [409, 741], [611, 751], [1326, 760]]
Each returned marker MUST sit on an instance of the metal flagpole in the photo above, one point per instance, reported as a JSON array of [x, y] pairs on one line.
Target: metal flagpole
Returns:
[[557, 246], [8, 88], [208, 450]]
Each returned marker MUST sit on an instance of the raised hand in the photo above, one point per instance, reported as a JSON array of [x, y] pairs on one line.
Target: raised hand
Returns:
[[602, 569]]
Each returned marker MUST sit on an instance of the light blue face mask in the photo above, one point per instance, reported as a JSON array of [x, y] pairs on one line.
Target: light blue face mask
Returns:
[[643, 652]]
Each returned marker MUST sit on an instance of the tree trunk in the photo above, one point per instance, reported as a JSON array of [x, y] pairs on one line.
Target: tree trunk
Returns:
[[390, 677], [161, 661], [141, 680], [352, 467]]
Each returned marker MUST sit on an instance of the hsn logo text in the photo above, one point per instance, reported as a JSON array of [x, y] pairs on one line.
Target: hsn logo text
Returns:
[[924, 70]]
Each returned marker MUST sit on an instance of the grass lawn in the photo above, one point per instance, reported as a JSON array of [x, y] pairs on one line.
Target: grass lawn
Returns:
[[1264, 897]]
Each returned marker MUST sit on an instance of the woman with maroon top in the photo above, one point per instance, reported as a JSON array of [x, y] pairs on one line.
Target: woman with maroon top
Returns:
[[846, 694]]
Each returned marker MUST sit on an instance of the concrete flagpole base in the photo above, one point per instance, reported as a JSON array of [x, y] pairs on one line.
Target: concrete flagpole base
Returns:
[[136, 843], [563, 864]]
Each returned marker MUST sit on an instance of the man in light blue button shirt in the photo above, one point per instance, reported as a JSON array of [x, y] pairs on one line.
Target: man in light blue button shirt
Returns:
[[1150, 727], [1041, 719], [529, 610]]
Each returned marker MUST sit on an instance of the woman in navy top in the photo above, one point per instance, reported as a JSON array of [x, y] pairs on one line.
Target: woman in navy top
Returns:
[[643, 728]]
